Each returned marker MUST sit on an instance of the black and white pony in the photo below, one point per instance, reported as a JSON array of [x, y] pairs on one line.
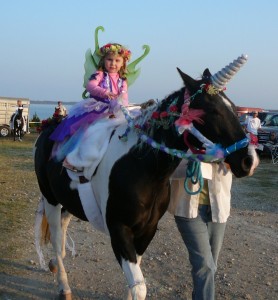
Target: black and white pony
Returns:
[[17, 124], [131, 183]]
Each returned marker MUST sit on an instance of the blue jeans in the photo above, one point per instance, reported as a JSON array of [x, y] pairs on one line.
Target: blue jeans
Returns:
[[203, 240]]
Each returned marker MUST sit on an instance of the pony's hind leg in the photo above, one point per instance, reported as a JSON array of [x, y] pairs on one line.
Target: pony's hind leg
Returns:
[[53, 215], [66, 217], [65, 220]]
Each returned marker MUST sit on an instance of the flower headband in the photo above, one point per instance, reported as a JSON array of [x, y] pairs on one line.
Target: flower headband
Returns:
[[116, 49]]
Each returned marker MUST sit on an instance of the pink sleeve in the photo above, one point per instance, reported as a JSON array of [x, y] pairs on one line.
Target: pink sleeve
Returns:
[[125, 94], [93, 86]]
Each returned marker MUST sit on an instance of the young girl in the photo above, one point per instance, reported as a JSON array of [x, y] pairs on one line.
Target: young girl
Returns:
[[105, 86]]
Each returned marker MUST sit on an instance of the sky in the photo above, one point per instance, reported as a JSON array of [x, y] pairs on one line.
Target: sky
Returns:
[[43, 45]]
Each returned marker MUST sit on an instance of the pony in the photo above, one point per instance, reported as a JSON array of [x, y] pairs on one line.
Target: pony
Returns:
[[131, 184], [17, 124]]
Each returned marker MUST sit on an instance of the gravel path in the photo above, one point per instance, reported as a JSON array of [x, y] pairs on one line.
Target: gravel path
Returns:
[[248, 264]]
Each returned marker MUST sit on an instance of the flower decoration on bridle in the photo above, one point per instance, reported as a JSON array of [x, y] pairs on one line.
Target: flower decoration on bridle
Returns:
[[116, 49], [165, 118], [52, 121], [212, 90]]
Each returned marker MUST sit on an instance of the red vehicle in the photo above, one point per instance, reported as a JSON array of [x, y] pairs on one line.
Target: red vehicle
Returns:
[[245, 110]]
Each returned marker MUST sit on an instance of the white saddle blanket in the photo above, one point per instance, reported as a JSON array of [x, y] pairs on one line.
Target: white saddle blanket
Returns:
[[88, 155], [89, 152]]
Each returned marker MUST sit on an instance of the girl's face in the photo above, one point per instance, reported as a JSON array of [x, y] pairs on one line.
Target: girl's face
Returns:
[[113, 63]]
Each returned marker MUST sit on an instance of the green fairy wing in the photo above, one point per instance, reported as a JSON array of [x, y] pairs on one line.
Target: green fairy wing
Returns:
[[133, 74], [91, 61]]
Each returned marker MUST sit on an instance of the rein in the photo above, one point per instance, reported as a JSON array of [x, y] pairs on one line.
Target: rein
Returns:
[[214, 152]]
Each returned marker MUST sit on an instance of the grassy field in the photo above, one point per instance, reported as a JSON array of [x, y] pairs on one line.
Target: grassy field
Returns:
[[18, 192]]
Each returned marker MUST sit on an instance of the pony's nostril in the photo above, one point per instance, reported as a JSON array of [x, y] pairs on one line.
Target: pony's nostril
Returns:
[[246, 163]]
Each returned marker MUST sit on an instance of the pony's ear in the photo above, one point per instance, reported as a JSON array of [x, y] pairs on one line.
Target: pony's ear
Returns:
[[188, 81], [206, 74]]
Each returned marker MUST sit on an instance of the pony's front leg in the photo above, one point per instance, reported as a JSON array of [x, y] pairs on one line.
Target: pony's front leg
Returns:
[[137, 289], [20, 134], [53, 215]]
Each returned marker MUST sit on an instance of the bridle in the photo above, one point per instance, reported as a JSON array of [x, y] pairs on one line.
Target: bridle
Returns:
[[211, 148], [213, 153]]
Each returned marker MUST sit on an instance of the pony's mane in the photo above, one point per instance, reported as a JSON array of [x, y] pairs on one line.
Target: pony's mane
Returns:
[[166, 102], [154, 127]]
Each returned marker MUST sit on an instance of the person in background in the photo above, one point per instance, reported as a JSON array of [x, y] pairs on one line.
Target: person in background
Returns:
[[272, 138], [60, 109], [19, 105], [201, 220], [107, 85], [253, 124], [270, 143]]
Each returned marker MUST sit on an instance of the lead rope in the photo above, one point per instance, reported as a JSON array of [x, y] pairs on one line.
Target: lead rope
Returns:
[[194, 175]]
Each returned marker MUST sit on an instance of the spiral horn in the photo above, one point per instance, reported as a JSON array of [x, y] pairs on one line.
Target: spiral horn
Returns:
[[221, 78]]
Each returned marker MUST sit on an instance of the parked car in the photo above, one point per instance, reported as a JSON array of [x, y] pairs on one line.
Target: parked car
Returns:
[[266, 116], [243, 118], [269, 124]]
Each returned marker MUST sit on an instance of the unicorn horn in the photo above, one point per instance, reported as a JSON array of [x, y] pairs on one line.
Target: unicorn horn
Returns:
[[221, 78]]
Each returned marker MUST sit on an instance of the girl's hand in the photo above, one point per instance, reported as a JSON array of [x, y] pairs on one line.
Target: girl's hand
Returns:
[[112, 96]]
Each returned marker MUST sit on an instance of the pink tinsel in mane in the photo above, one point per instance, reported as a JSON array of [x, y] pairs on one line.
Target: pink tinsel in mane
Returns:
[[188, 115]]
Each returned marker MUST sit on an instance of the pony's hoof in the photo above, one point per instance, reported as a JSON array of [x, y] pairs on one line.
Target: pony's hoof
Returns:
[[63, 296], [52, 266]]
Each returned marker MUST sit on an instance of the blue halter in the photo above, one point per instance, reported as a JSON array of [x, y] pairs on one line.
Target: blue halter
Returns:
[[236, 146], [193, 171]]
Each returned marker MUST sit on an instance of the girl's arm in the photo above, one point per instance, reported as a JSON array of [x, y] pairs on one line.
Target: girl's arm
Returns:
[[93, 86], [125, 93]]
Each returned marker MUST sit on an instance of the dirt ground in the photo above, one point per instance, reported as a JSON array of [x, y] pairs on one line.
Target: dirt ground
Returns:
[[248, 263]]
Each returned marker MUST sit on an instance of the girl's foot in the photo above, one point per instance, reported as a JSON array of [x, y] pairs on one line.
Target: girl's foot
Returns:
[[68, 166]]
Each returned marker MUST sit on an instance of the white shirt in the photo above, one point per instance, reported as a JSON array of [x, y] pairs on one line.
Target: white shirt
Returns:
[[219, 184], [62, 111], [253, 124]]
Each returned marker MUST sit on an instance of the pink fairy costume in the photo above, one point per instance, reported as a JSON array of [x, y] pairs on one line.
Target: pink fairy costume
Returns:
[[97, 106], [81, 115]]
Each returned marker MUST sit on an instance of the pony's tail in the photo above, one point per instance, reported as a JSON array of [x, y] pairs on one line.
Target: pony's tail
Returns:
[[42, 233], [45, 232]]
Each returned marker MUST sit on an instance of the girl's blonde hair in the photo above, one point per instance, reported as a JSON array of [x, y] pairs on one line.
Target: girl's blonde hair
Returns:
[[114, 49]]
